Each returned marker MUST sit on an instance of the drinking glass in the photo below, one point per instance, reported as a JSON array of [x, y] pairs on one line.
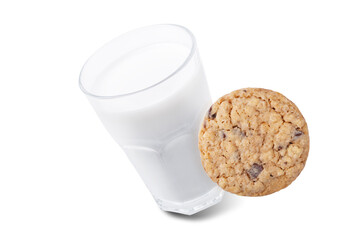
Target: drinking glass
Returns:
[[150, 92]]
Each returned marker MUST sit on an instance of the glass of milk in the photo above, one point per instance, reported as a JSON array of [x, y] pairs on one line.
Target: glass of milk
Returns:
[[150, 92]]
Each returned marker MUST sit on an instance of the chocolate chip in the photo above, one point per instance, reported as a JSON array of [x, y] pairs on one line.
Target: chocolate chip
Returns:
[[222, 135], [204, 124], [210, 114], [238, 131], [255, 170], [298, 133], [270, 175], [244, 90], [280, 148]]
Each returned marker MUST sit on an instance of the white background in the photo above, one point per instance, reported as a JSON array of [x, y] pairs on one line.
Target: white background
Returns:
[[63, 177]]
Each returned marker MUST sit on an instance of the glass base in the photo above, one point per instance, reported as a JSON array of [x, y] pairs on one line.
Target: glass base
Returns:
[[196, 205]]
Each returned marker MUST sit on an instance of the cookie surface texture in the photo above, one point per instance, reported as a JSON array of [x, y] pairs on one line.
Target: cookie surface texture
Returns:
[[253, 142]]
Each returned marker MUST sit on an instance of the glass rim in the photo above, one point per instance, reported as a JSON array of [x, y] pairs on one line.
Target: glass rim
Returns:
[[182, 66]]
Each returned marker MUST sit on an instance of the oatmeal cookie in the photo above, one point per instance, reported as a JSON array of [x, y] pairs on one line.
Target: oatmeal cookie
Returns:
[[253, 142]]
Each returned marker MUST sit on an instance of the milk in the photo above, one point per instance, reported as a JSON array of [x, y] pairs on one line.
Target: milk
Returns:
[[149, 90], [158, 132]]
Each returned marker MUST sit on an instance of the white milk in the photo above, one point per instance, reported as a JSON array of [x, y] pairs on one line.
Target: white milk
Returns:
[[158, 128], [148, 88]]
